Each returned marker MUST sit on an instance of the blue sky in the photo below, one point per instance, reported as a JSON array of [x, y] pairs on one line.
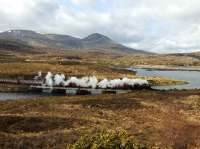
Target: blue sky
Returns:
[[160, 26]]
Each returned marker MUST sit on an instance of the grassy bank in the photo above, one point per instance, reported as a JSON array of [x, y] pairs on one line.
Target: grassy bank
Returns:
[[31, 69]]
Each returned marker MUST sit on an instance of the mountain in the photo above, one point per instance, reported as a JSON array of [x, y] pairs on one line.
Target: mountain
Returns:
[[65, 41], [100, 42], [26, 36], [93, 42], [96, 39], [16, 46]]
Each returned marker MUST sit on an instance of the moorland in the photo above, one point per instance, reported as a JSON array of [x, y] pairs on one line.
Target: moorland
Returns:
[[155, 119]]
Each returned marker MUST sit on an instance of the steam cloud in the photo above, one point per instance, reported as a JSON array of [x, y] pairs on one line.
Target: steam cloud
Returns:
[[88, 82], [91, 82], [49, 79], [39, 75]]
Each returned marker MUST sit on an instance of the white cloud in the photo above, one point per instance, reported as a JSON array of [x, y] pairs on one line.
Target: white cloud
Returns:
[[83, 2], [154, 25]]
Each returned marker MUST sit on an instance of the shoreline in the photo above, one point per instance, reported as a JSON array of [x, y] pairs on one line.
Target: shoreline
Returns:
[[166, 68]]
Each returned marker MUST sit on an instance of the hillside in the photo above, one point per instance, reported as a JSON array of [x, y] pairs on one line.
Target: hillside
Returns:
[[15, 46], [93, 42], [104, 43]]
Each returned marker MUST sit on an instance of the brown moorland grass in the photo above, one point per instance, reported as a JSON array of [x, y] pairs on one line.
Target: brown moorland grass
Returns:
[[157, 119], [102, 58], [30, 69], [168, 60]]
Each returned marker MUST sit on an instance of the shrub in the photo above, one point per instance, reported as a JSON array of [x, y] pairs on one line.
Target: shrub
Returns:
[[107, 140]]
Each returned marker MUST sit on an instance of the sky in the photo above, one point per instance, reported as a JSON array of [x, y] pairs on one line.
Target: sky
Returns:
[[162, 26]]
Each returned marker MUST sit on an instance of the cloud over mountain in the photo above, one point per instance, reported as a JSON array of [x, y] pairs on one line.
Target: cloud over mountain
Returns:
[[161, 26]]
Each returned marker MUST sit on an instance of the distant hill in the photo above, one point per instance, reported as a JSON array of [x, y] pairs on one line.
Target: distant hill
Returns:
[[195, 55], [96, 41], [16, 46]]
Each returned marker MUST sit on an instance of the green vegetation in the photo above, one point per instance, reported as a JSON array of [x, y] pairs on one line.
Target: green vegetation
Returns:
[[107, 140]]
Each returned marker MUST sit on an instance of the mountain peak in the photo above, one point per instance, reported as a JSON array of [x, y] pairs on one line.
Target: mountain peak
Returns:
[[98, 38]]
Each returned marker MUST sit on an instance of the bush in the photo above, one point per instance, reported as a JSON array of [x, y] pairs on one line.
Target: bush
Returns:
[[107, 140]]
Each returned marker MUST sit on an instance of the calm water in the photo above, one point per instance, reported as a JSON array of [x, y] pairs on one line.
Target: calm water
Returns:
[[192, 77], [14, 96]]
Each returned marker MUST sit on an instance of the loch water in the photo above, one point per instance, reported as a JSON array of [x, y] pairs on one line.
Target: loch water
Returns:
[[191, 77]]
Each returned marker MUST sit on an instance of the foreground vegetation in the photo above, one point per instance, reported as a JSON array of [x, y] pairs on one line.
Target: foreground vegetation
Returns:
[[107, 140], [153, 118]]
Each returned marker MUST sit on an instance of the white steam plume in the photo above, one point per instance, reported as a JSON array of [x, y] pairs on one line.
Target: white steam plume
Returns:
[[92, 82], [59, 79], [49, 79], [39, 75], [121, 83], [88, 82]]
